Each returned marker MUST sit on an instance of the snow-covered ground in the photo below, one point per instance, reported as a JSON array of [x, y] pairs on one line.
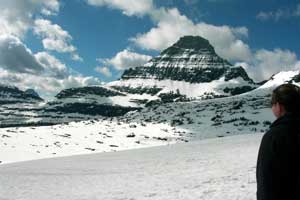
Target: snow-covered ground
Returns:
[[29, 143], [212, 169], [152, 126]]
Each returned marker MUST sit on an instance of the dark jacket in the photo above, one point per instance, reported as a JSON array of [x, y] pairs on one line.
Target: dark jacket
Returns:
[[278, 164]]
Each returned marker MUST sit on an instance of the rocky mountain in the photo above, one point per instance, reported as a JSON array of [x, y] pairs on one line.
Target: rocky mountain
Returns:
[[11, 94], [189, 67]]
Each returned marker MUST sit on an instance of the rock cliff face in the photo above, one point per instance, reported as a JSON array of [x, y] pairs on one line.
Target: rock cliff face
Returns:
[[190, 66]]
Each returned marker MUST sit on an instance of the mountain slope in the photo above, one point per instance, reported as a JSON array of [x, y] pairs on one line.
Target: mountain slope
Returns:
[[192, 68]]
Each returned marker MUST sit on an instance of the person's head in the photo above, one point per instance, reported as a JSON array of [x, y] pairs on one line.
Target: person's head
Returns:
[[286, 99]]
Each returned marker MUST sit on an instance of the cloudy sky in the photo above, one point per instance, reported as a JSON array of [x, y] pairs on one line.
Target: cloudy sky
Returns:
[[49, 45]]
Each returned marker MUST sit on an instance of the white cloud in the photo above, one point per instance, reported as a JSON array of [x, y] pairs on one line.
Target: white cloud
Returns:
[[171, 25], [16, 57], [76, 57], [51, 7], [48, 81], [41, 71], [46, 29], [126, 59], [16, 16], [128, 7], [58, 45], [46, 86], [279, 14], [104, 70], [265, 63], [55, 38], [53, 67]]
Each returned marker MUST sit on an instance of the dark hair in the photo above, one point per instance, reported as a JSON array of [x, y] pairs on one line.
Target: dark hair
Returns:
[[287, 95]]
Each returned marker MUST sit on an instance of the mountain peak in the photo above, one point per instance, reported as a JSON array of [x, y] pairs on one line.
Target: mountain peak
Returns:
[[196, 45], [194, 42], [33, 93]]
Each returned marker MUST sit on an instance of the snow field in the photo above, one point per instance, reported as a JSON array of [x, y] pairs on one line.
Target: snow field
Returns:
[[27, 143], [212, 169]]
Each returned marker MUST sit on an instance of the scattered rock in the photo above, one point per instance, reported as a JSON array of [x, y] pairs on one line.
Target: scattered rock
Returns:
[[64, 135], [160, 138], [131, 135], [5, 136], [146, 136], [90, 149], [57, 144], [132, 126]]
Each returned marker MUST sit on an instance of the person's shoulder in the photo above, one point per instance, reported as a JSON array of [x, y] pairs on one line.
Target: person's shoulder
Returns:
[[275, 130], [268, 137], [279, 137], [274, 135]]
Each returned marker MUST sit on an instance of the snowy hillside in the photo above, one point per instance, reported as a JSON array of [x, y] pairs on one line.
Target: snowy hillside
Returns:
[[158, 124], [154, 125], [214, 169], [280, 78], [103, 135]]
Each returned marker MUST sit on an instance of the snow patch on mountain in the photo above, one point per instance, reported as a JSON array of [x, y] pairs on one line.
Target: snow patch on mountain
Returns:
[[191, 90], [280, 78]]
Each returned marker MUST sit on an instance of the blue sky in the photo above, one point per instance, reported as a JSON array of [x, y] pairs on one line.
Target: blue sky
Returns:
[[62, 43]]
